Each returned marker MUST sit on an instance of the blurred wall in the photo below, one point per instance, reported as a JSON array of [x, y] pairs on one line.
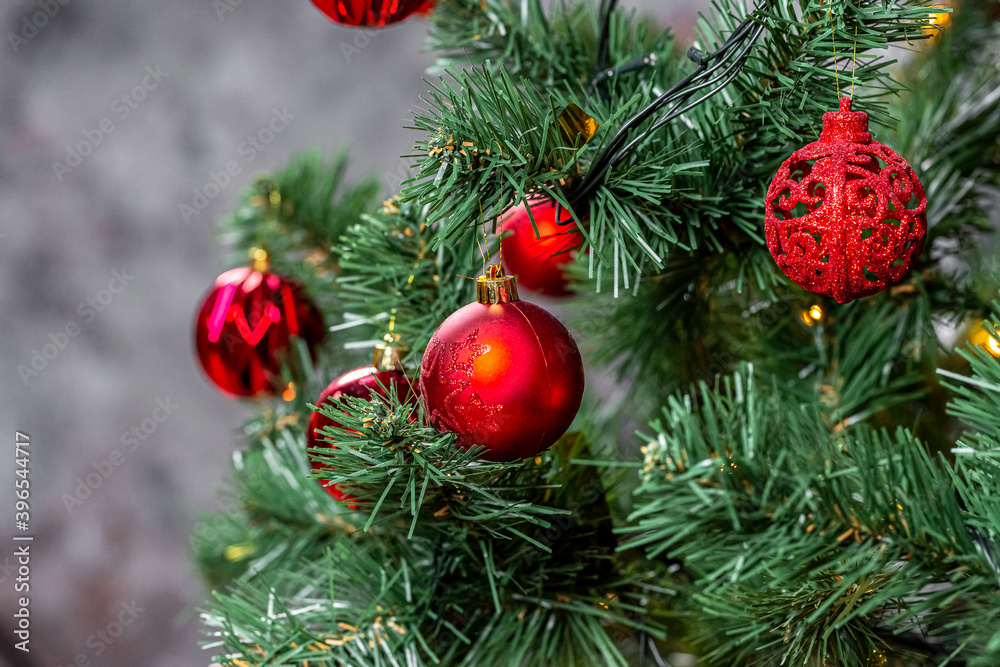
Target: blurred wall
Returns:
[[113, 113]]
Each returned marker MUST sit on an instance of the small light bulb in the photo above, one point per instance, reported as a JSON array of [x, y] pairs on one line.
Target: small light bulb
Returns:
[[289, 394], [938, 21], [811, 316], [982, 337]]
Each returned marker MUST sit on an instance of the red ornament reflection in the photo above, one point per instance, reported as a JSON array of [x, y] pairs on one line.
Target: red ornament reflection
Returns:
[[371, 13], [359, 383], [245, 324], [507, 376], [539, 260]]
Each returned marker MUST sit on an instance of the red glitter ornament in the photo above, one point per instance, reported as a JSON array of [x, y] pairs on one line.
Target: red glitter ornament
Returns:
[[538, 260], [845, 216], [245, 322], [360, 383], [502, 373], [371, 13]]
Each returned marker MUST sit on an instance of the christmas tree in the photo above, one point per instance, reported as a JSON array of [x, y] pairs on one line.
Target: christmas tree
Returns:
[[794, 455]]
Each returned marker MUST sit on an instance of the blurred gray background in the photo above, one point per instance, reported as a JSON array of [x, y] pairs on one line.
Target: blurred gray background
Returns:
[[112, 114]]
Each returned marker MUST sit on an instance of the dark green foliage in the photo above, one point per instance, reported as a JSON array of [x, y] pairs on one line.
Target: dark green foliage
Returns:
[[392, 270], [692, 184], [813, 554], [736, 305], [804, 502], [297, 215], [494, 554]]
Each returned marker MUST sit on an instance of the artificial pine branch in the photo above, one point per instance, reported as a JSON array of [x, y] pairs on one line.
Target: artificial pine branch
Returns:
[[803, 531], [478, 523], [777, 98], [391, 272], [806, 543], [297, 215]]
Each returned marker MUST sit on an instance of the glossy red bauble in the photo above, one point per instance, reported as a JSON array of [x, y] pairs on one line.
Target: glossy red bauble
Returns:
[[245, 324], [505, 375], [845, 216], [360, 383], [539, 260], [371, 13]]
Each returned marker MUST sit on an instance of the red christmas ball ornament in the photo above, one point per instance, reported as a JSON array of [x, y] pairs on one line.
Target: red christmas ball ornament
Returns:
[[371, 13], [502, 373], [538, 260], [245, 323], [385, 374], [845, 216]]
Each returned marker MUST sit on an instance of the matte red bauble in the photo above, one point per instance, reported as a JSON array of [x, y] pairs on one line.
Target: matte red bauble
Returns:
[[502, 373], [360, 383], [538, 260], [371, 13], [845, 216], [245, 323]]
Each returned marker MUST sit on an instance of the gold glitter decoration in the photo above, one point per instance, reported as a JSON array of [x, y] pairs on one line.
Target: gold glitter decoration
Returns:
[[576, 124]]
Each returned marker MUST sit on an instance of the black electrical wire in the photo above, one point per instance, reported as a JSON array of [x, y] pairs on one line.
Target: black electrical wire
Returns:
[[641, 62], [730, 58], [607, 9]]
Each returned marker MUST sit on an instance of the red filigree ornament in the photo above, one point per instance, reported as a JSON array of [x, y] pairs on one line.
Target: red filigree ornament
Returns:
[[502, 373], [371, 13], [385, 374], [538, 260], [845, 216], [245, 324]]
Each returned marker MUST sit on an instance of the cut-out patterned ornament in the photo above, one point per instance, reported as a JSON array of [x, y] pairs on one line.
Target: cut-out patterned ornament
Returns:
[[502, 373], [845, 216]]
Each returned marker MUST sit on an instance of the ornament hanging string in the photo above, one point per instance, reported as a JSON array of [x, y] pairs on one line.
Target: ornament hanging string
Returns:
[[486, 244], [607, 9], [833, 38], [854, 66], [501, 199]]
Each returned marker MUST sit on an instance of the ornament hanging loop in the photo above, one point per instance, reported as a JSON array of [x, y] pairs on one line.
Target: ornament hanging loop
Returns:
[[496, 287], [854, 66], [260, 260], [389, 354]]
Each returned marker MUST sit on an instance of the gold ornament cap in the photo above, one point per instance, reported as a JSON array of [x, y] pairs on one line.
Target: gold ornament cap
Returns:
[[259, 260], [389, 354], [496, 287]]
